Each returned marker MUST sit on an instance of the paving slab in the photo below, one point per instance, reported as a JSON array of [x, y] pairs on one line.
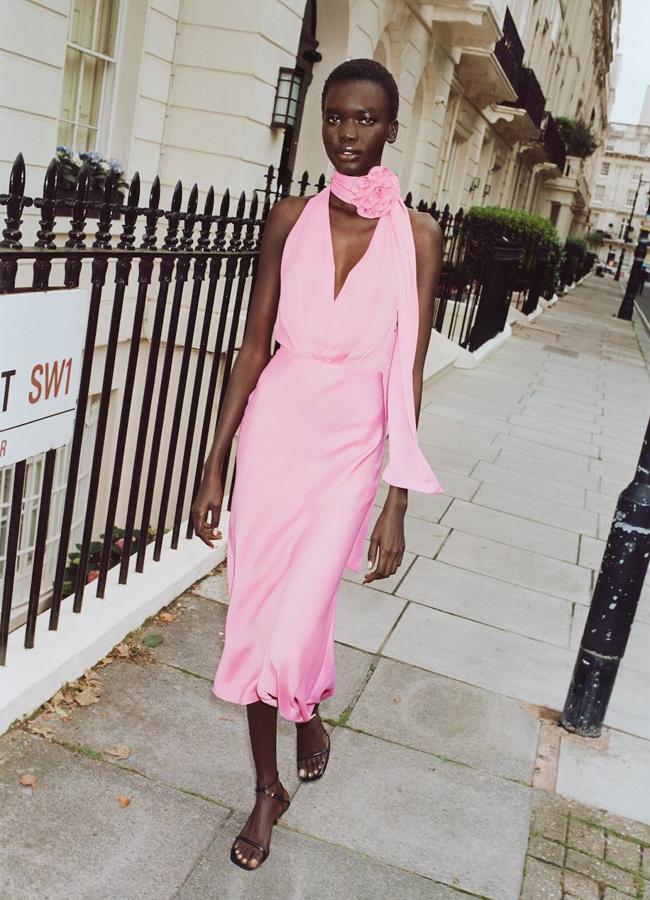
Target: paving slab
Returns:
[[497, 660], [516, 566], [193, 641], [177, 731], [513, 530], [561, 426], [301, 867], [529, 481], [549, 469], [612, 772], [488, 600], [69, 836], [457, 721], [420, 813], [541, 509], [542, 451], [364, 618], [551, 438]]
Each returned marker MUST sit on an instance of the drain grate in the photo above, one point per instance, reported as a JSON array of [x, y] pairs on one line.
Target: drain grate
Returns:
[[561, 350]]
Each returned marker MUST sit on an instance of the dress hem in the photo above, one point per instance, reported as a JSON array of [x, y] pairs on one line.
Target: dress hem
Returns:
[[255, 697]]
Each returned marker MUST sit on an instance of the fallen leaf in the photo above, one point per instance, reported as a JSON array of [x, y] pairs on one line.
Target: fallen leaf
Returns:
[[28, 779], [120, 751], [86, 697], [123, 801], [167, 616], [123, 650], [397, 699], [43, 730]]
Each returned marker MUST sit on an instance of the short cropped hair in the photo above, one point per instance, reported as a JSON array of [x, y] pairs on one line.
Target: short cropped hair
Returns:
[[365, 70]]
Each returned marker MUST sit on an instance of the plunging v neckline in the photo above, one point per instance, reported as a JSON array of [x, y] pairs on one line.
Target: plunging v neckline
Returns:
[[328, 223]]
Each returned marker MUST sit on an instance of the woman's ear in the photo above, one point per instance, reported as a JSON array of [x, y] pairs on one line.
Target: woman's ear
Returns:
[[392, 131]]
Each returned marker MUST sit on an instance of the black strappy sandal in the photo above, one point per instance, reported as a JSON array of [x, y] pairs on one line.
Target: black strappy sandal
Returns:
[[242, 837], [301, 759]]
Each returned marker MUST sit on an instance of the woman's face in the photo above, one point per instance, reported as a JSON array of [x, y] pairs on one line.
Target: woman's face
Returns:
[[356, 125]]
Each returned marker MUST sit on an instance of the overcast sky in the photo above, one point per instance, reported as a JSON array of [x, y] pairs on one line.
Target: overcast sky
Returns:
[[634, 46]]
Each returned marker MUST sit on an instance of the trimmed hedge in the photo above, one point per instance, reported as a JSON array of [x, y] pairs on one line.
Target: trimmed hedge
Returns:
[[488, 224]]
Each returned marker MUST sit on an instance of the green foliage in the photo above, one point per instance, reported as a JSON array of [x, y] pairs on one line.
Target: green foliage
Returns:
[[95, 555], [489, 223], [575, 247], [579, 138], [595, 238]]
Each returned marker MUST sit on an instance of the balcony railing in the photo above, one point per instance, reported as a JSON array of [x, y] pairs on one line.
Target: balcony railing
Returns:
[[509, 51], [553, 143], [529, 97]]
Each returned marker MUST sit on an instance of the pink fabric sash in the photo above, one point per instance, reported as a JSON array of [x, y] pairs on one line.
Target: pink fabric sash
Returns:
[[378, 194]]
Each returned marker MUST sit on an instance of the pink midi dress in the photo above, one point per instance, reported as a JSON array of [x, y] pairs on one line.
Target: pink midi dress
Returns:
[[308, 462]]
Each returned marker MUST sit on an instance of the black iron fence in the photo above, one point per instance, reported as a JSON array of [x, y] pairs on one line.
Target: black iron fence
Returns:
[[168, 289]]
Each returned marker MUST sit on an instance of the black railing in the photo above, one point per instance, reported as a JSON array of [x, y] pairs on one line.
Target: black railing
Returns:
[[509, 52], [553, 143], [530, 97], [150, 461]]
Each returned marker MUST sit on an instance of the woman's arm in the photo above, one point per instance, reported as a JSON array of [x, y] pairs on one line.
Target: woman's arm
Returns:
[[388, 533], [252, 358]]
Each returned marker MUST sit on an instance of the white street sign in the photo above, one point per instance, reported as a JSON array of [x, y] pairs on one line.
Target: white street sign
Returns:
[[41, 342]]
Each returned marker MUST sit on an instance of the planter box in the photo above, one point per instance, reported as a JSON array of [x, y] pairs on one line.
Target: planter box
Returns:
[[65, 198]]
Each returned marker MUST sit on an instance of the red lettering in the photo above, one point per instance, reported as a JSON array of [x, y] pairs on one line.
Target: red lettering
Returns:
[[52, 374], [3, 447]]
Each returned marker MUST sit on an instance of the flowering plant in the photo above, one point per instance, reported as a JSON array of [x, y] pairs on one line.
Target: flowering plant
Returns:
[[376, 192], [70, 162]]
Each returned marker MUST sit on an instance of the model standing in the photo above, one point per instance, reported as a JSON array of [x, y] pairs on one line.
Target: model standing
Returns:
[[345, 283]]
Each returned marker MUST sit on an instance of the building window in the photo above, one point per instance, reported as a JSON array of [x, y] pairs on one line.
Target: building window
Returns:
[[643, 149], [88, 73], [637, 171], [609, 148], [600, 193], [604, 169], [630, 198]]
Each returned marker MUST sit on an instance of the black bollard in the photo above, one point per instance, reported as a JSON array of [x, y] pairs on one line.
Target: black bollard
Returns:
[[613, 605], [496, 293], [627, 306]]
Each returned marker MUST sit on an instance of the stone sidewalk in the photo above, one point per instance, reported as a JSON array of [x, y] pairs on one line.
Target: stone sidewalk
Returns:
[[447, 763]]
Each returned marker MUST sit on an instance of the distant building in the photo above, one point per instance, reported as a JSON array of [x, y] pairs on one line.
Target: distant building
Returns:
[[624, 176]]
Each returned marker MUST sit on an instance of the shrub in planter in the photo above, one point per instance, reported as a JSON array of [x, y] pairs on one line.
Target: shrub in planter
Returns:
[[95, 555], [578, 137], [489, 224], [70, 163]]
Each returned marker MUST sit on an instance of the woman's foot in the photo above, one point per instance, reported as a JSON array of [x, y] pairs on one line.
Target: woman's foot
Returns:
[[259, 825], [312, 747]]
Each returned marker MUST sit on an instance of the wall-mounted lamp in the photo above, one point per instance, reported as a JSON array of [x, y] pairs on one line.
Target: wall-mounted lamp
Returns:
[[287, 93], [474, 183]]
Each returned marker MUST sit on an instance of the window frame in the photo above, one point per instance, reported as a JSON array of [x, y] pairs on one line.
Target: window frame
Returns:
[[102, 131]]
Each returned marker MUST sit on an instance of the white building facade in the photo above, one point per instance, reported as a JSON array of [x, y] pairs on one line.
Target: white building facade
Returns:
[[185, 89], [621, 196]]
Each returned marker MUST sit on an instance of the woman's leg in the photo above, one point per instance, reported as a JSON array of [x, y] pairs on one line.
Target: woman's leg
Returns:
[[262, 728], [312, 738]]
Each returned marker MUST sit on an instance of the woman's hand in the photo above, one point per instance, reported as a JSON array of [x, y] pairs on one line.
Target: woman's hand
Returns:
[[209, 500], [388, 539]]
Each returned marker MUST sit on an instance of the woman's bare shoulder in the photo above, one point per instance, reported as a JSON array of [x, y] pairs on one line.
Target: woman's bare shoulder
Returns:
[[284, 214], [426, 231]]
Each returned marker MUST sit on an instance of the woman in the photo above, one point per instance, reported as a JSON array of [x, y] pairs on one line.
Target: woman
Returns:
[[346, 282]]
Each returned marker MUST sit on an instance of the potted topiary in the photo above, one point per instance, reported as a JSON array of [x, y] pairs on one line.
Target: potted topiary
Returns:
[[70, 163]]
